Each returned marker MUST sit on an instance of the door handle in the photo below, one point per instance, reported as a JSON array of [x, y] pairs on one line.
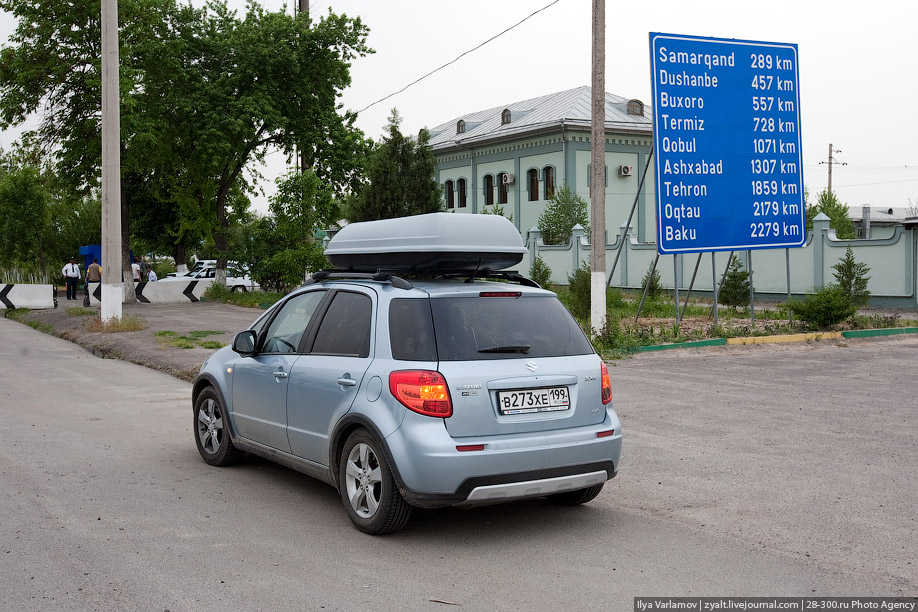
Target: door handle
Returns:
[[280, 374], [344, 381]]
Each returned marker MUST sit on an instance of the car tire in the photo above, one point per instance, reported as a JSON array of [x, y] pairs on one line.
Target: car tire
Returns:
[[211, 430], [240, 288], [368, 489], [576, 498]]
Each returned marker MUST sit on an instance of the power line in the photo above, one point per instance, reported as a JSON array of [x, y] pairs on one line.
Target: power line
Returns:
[[416, 81], [850, 167], [880, 183]]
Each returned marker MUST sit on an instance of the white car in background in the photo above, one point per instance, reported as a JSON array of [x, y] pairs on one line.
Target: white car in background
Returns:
[[208, 270]]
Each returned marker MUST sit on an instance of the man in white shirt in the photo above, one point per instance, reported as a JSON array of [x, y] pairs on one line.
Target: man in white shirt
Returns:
[[151, 276], [71, 274], [135, 268]]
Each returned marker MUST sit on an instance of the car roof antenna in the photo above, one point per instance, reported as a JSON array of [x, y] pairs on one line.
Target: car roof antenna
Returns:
[[471, 278]]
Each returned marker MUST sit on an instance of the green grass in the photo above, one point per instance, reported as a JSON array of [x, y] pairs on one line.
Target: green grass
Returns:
[[190, 340], [247, 299], [127, 323], [80, 311]]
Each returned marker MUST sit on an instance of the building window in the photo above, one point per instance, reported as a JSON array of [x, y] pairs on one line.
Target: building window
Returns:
[[460, 127], [549, 173], [532, 177], [505, 117], [503, 188], [488, 190], [460, 184], [635, 107], [450, 195]]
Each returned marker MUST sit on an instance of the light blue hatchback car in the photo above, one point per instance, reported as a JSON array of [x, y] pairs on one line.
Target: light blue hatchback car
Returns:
[[426, 386]]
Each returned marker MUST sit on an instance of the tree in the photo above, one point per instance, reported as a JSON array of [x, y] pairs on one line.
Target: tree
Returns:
[[245, 86], [281, 248], [851, 278], [565, 210], [838, 214], [64, 87], [735, 289], [25, 217], [400, 175]]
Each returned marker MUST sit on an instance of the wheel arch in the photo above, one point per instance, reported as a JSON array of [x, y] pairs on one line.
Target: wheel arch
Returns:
[[348, 425], [205, 381]]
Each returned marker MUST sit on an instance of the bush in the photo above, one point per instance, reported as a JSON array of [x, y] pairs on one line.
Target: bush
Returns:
[[852, 278], [652, 284], [540, 272], [824, 309], [735, 290], [579, 287]]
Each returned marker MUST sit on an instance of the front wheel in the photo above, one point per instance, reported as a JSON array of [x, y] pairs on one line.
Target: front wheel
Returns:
[[368, 489], [212, 430], [576, 498]]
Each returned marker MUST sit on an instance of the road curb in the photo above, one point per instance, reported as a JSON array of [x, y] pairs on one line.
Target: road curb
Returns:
[[869, 333], [808, 337], [785, 338], [676, 345]]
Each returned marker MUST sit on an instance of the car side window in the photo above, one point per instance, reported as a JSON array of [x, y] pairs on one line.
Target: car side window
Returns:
[[345, 329], [287, 328]]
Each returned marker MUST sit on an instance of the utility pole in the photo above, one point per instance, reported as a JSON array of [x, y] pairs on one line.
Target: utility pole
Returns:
[[112, 280], [303, 9], [598, 172], [830, 160]]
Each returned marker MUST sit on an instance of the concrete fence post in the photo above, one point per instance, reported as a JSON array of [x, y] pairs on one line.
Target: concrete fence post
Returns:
[[577, 234], [820, 230]]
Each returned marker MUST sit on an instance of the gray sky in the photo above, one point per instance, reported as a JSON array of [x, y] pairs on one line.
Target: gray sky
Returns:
[[857, 73]]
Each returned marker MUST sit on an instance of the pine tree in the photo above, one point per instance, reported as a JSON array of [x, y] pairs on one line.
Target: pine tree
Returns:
[[852, 278], [735, 290], [401, 178]]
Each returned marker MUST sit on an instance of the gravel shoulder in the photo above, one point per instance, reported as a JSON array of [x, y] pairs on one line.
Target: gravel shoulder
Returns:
[[152, 347]]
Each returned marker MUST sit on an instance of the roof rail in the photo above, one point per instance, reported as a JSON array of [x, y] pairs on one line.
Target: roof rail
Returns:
[[400, 283], [380, 275]]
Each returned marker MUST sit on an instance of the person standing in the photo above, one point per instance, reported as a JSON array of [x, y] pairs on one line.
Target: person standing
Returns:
[[94, 272], [151, 276], [135, 268], [71, 274]]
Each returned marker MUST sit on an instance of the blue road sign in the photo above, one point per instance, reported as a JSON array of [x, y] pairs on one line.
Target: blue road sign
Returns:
[[726, 130]]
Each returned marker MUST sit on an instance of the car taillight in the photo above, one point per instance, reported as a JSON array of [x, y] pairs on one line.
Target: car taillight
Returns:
[[606, 385], [423, 391], [501, 294]]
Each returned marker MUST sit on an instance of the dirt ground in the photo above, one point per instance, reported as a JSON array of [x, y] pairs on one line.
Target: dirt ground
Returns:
[[152, 347]]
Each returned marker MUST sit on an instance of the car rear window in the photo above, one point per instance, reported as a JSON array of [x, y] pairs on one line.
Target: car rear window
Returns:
[[471, 328], [411, 330]]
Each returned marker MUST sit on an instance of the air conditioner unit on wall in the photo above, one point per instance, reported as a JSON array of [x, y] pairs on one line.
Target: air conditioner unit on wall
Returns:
[[508, 179], [625, 170]]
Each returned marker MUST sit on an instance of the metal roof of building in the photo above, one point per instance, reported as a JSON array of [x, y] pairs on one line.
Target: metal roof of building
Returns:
[[564, 108]]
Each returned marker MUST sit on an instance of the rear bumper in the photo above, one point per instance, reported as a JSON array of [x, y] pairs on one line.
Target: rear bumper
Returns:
[[432, 473]]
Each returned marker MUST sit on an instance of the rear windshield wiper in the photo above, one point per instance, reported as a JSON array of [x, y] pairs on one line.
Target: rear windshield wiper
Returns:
[[518, 348]]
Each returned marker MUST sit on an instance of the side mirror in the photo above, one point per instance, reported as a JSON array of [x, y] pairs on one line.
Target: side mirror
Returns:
[[244, 342]]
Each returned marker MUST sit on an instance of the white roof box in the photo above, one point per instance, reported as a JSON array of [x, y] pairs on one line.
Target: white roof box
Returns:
[[428, 243]]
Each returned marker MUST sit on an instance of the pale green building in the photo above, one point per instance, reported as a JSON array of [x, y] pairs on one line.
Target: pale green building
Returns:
[[514, 156]]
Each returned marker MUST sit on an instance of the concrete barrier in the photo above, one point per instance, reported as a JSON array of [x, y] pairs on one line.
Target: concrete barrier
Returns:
[[160, 292], [28, 296]]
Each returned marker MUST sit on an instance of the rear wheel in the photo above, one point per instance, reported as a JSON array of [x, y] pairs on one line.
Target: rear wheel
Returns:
[[368, 489], [212, 430], [576, 498], [240, 288]]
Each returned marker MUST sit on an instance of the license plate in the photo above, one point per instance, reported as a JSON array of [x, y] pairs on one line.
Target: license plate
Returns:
[[522, 401]]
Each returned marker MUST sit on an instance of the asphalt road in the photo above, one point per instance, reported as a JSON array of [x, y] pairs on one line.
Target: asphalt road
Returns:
[[779, 471]]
